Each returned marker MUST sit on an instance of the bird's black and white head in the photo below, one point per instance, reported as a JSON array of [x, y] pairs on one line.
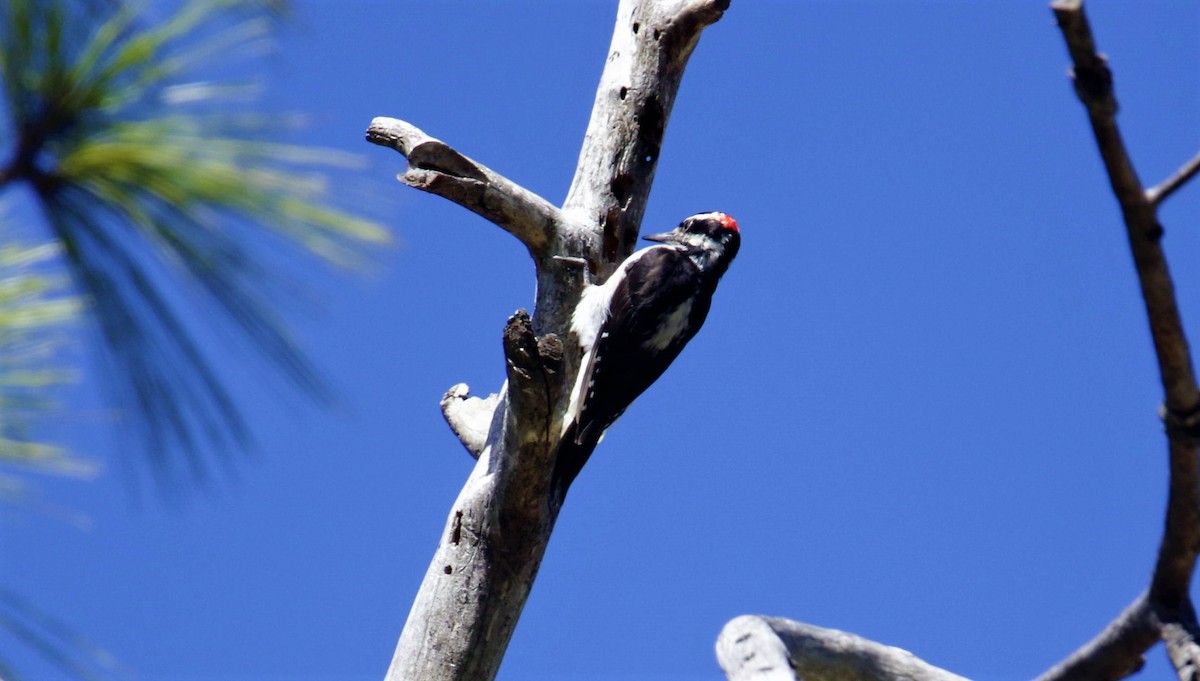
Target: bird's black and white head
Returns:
[[711, 239]]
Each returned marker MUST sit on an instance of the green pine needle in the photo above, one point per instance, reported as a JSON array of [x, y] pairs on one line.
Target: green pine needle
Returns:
[[157, 202]]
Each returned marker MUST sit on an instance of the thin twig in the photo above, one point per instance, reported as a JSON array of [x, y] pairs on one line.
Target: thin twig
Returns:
[[1157, 195]]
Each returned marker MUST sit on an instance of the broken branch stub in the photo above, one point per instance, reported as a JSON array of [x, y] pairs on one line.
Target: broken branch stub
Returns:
[[529, 380], [469, 417]]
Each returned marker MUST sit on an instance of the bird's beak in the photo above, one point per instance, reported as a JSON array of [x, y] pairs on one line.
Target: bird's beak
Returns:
[[665, 236]]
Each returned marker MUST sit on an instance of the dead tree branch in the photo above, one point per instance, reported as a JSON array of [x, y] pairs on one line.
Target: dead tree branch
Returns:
[[1168, 606], [435, 167], [496, 534], [1117, 652], [754, 648], [651, 45]]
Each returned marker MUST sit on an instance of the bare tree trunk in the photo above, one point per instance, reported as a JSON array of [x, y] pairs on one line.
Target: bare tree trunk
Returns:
[[497, 531]]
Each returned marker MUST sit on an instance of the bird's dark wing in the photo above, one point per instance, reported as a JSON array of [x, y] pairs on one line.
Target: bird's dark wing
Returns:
[[634, 347]]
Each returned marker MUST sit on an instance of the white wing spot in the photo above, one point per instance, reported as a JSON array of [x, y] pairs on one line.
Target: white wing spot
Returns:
[[674, 325]]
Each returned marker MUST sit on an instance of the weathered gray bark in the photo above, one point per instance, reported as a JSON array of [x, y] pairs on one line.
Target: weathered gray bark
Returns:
[[754, 648], [761, 648], [468, 604]]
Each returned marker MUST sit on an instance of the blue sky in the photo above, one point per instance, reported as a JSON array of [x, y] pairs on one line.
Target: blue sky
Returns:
[[926, 391]]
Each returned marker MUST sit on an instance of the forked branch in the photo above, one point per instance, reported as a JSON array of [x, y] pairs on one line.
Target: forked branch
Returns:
[[757, 648], [497, 531], [1166, 609]]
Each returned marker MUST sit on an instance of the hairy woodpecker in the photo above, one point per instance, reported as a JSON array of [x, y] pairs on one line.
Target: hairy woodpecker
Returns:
[[631, 327]]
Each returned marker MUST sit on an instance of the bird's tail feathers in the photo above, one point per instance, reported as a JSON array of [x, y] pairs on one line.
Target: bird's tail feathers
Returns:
[[571, 453]]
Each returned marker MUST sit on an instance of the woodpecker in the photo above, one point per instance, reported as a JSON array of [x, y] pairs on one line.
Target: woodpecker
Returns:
[[631, 327]]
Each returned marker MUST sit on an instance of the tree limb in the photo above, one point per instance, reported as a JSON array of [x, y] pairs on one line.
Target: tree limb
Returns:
[[494, 539], [755, 648], [1177, 555], [496, 534], [1117, 652], [1112, 654], [1093, 84], [435, 167], [650, 48]]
